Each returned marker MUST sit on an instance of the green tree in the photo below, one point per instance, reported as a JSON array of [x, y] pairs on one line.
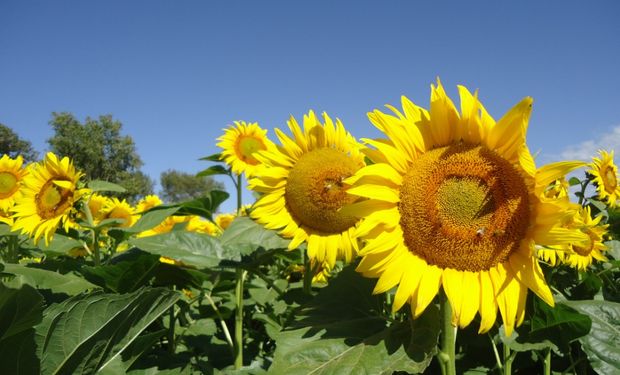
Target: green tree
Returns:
[[100, 151], [179, 186], [12, 145]]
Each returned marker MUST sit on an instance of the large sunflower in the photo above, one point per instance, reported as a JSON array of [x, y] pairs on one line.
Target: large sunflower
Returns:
[[453, 202], [240, 143], [605, 174], [11, 178], [49, 194], [302, 186]]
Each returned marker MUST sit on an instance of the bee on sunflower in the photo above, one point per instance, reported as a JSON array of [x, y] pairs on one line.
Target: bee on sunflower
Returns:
[[453, 202], [302, 187]]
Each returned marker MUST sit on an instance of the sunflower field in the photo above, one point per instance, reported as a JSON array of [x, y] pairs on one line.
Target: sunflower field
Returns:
[[441, 248]]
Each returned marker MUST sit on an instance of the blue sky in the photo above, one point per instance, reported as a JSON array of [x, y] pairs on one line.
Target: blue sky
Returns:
[[176, 73]]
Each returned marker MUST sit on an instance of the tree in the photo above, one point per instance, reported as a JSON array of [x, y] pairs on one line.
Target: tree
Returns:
[[100, 151], [12, 145], [179, 186]]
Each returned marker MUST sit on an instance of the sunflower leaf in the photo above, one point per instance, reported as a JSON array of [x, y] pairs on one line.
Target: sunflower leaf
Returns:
[[98, 185], [246, 236], [601, 344], [342, 331], [44, 279], [213, 170], [85, 333], [214, 157]]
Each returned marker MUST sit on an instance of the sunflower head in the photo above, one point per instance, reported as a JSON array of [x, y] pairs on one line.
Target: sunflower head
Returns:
[[605, 176], [239, 145], [223, 220], [12, 175], [200, 225], [97, 205], [582, 254], [147, 203], [50, 193], [453, 201], [303, 189], [117, 209]]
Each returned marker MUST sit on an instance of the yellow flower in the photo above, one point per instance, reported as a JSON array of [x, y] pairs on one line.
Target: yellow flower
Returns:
[[5, 217], [117, 209], [97, 205], [582, 254], [605, 174], [200, 225], [322, 272], [11, 179], [557, 189], [302, 188], [224, 220], [240, 144], [49, 194], [454, 202], [148, 202]]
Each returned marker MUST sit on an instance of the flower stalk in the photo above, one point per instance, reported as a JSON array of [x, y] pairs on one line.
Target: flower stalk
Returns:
[[447, 352], [239, 295]]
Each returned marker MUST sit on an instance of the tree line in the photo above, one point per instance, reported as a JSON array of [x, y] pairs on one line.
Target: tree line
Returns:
[[99, 149]]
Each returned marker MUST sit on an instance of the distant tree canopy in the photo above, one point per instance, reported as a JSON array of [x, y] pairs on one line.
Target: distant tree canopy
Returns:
[[12, 145], [180, 186], [99, 150]]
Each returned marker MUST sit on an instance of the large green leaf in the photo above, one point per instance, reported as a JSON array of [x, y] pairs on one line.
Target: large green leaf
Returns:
[[129, 272], [341, 332], [195, 249], [60, 244], [44, 279], [20, 310], [85, 333], [557, 325], [245, 236], [602, 344]]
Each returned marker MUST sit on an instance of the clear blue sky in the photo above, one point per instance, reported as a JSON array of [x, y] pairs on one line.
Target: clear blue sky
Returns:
[[176, 72]]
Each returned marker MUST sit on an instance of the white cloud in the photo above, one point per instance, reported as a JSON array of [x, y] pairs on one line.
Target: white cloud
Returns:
[[587, 149]]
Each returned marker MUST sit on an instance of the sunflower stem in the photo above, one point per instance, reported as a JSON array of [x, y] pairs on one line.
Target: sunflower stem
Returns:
[[548, 361], [508, 358], [307, 274], [239, 294], [171, 343], [447, 354], [584, 185], [95, 233], [239, 319], [13, 245]]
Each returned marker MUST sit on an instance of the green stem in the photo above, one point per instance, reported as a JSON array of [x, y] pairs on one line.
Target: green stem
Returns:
[[307, 274], [496, 353], [239, 294], [13, 245], [548, 362], [229, 340], [584, 184], [171, 343], [447, 354], [95, 233], [239, 319], [508, 358]]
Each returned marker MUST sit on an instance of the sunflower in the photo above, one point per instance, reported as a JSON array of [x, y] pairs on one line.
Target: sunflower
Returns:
[[11, 178], [148, 202], [605, 175], [302, 186], [117, 209], [49, 195], [453, 202], [97, 205], [581, 255], [200, 225], [223, 220], [5, 217], [240, 144]]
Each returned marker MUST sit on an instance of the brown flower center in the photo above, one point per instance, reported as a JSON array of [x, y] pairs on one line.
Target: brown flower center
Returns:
[[463, 207], [315, 191]]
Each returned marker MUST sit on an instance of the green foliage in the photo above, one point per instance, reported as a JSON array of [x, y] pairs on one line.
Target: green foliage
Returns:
[[12, 145], [603, 341], [343, 329], [180, 186], [98, 149]]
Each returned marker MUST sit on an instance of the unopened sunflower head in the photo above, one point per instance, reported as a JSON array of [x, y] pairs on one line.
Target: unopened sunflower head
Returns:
[[239, 145], [605, 175], [453, 201], [303, 189], [49, 195]]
